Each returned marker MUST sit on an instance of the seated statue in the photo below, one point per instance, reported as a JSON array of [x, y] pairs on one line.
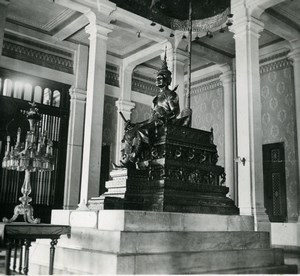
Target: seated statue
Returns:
[[165, 109]]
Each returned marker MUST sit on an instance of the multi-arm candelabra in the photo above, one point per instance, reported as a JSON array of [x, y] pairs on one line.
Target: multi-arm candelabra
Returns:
[[36, 154]]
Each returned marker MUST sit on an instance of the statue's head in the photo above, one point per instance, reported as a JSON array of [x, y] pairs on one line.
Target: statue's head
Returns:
[[164, 76]]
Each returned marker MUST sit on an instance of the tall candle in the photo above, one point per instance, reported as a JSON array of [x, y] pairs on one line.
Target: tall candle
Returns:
[[19, 135], [8, 143], [39, 146], [26, 144]]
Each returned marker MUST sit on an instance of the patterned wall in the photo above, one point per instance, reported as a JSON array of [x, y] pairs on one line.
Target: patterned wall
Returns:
[[279, 121], [110, 125], [207, 103]]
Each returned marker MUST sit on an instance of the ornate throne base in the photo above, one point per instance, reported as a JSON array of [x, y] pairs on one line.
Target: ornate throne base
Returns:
[[177, 173]]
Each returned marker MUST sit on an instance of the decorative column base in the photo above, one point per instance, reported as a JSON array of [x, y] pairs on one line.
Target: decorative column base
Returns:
[[261, 220]]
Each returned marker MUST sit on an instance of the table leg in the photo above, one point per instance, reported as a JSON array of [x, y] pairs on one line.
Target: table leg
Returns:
[[21, 256], [26, 265], [15, 254], [7, 257], [52, 252]]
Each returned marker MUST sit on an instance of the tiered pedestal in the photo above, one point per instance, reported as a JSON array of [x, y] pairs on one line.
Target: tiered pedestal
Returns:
[[178, 172], [141, 242]]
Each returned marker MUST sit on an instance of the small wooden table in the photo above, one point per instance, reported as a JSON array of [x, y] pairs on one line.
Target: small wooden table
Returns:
[[25, 233]]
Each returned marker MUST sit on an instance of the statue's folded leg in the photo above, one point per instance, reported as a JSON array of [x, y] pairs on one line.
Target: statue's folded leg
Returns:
[[183, 121]]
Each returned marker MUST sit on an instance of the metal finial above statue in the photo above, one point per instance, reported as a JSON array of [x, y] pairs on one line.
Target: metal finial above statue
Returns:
[[164, 69]]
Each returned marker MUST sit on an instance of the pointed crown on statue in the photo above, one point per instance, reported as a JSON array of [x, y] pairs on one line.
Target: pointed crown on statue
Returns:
[[164, 71]]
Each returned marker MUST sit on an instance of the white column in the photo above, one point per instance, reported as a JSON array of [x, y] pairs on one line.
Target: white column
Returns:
[[76, 127], [180, 59], [226, 79], [90, 180], [74, 148], [235, 165], [249, 127], [295, 56], [3, 12], [124, 105]]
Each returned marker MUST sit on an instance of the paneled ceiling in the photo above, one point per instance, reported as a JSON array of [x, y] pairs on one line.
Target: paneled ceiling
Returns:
[[61, 23], [40, 15]]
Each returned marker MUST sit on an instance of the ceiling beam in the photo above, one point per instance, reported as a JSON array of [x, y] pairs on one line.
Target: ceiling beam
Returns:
[[135, 29], [208, 71], [73, 5], [145, 54], [211, 55], [71, 28], [35, 35], [278, 27], [141, 23]]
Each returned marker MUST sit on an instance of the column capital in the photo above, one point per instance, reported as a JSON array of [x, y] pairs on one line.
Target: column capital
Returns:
[[106, 7], [245, 7], [98, 30], [124, 105], [250, 24], [226, 77], [128, 68], [100, 11], [227, 74], [295, 43], [294, 55], [77, 94]]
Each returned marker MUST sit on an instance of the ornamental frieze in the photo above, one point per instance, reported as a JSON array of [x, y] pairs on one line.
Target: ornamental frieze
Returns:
[[37, 57], [277, 65]]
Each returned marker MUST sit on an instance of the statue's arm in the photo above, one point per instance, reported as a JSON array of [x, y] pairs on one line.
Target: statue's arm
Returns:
[[174, 105]]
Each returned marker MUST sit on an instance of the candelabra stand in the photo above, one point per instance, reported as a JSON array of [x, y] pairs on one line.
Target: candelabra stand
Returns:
[[36, 154]]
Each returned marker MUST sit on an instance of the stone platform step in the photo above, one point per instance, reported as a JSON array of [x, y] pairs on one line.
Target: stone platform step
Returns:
[[280, 269], [204, 262], [125, 220], [138, 242], [117, 242], [70, 261]]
